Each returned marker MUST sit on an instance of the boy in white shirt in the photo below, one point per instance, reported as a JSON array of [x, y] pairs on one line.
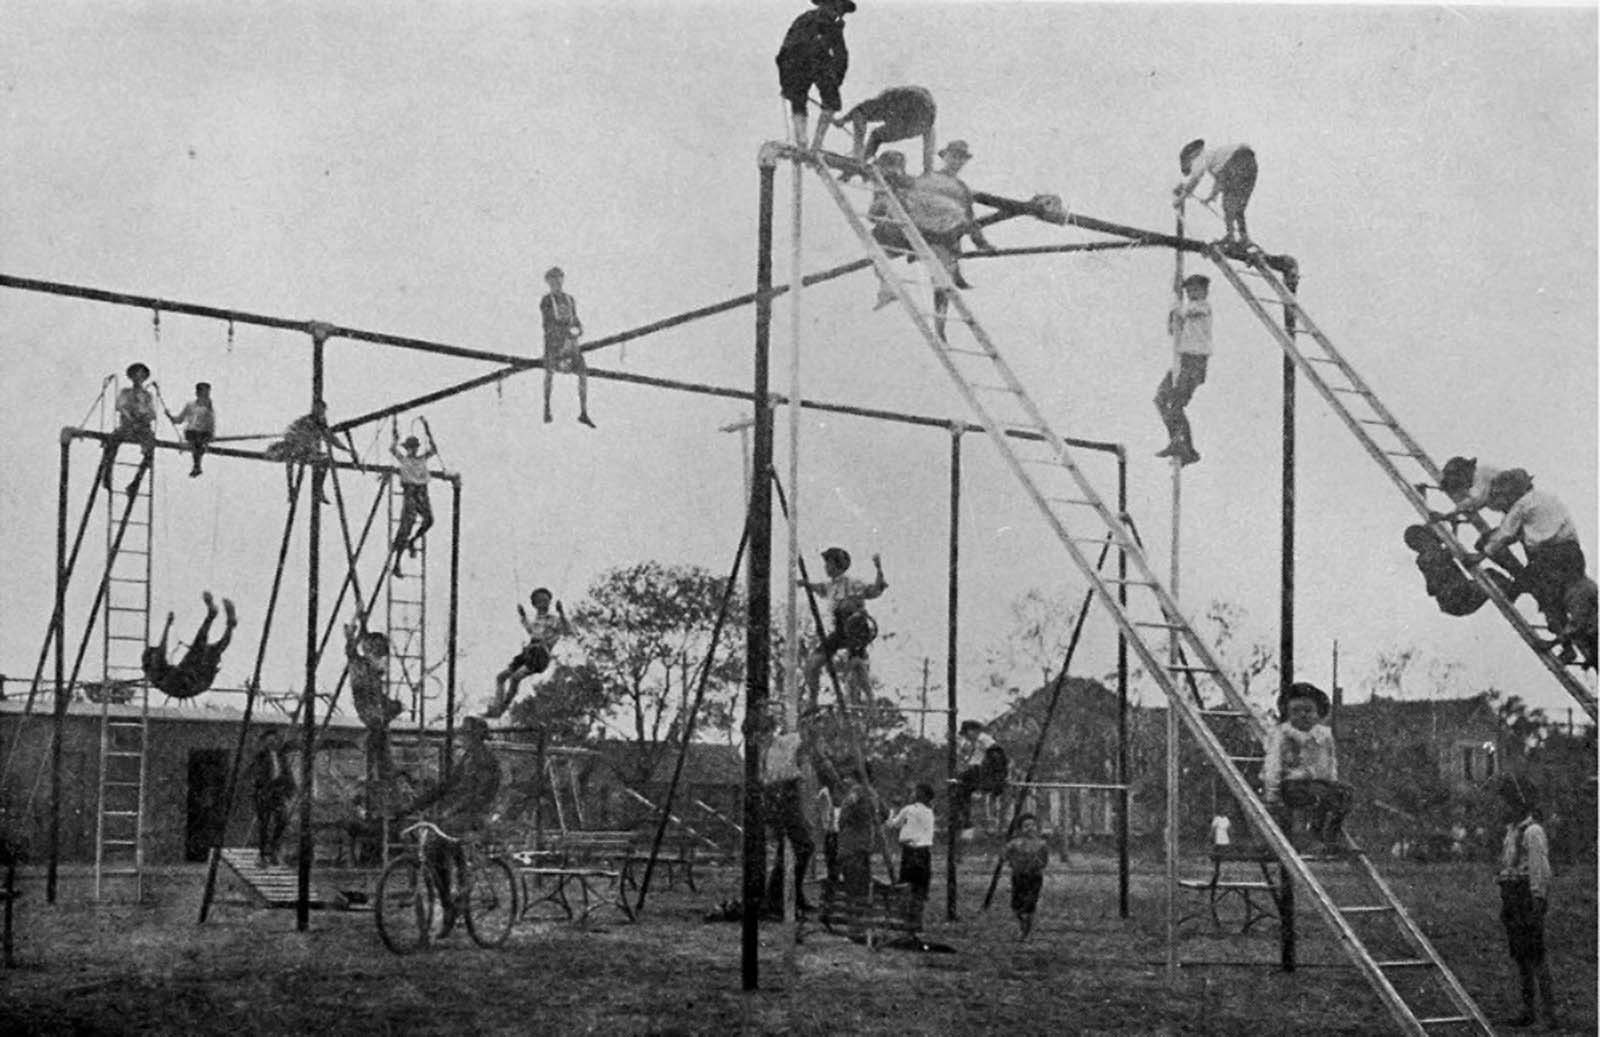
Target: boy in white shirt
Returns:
[[414, 503], [1301, 771], [1189, 324], [543, 630], [853, 627], [1233, 175], [1546, 530], [1524, 880], [914, 824], [199, 421]]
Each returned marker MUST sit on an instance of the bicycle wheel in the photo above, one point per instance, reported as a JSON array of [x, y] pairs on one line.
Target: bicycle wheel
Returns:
[[407, 895], [491, 902]]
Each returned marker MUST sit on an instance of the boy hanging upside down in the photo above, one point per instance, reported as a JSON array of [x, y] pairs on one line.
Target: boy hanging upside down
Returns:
[[197, 669], [853, 628], [544, 630]]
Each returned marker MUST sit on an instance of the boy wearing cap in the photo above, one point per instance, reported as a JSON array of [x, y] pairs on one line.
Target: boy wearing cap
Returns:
[[1524, 880], [1301, 771], [197, 670], [561, 352], [136, 422], [543, 630], [902, 112], [1233, 175], [1189, 324], [853, 628], [813, 53], [199, 421], [1546, 530], [414, 503], [946, 244]]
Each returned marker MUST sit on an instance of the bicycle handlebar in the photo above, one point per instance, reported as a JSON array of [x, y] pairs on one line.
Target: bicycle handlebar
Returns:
[[430, 828]]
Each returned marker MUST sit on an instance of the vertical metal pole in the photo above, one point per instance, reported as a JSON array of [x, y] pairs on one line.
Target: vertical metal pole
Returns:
[[452, 625], [1122, 695], [1286, 598], [63, 696], [308, 699], [952, 618], [758, 636], [539, 782], [1172, 772], [791, 698]]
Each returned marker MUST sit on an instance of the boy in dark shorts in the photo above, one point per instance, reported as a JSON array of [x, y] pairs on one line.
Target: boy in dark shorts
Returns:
[[1524, 880], [196, 671], [136, 422], [199, 421], [902, 112], [1233, 175], [274, 788], [813, 53], [367, 663], [562, 330], [544, 630], [414, 503], [1028, 854], [307, 441]]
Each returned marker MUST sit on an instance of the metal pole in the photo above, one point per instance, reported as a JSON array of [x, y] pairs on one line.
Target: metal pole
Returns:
[[791, 629], [63, 695], [1286, 598], [1172, 772], [952, 619], [759, 596], [308, 698], [452, 624], [1122, 694]]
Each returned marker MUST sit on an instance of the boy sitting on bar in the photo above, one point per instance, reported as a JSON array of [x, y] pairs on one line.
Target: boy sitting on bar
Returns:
[[1301, 771]]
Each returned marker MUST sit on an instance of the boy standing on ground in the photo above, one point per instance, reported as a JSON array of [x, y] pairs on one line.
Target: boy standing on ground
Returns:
[[1524, 879], [543, 630], [199, 421], [785, 814], [561, 350], [813, 53], [857, 821], [136, 422], [1189, 324], [914, 824], [1028, 854], [367, 660], [414, 503], [274, 788], [1301, 770], [1233, 175]]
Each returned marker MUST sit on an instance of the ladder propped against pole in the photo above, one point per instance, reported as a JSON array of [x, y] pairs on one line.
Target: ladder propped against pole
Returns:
[[1068, 501], [1353, 400]]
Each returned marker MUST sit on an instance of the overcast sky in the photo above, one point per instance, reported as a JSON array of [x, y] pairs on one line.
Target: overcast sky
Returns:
[[415, 169]]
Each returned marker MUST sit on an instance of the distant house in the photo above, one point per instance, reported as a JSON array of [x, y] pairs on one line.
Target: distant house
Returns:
[[1459, 738]]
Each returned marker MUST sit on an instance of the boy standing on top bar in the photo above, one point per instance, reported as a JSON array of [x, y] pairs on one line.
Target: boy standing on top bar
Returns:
[[1233, 175], [1189, 323], [813, 52], [561, 351]]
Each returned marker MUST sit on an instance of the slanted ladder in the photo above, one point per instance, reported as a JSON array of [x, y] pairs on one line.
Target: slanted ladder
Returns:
[[1058, 487], [124, 735], [406, 617], [1383, 438]]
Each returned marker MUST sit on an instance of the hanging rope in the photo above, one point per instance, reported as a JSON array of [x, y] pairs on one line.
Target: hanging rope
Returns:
[[230, 790], [109, 380]]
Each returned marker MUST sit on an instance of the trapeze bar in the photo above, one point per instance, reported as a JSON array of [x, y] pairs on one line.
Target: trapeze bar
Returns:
[[248, 455]]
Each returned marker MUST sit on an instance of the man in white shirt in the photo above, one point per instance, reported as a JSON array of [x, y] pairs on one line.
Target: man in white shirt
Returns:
[[1233, 175]]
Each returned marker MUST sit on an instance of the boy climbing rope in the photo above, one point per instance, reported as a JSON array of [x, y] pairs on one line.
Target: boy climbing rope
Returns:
[[1189, 324], [196, 671], [561, 352], [307, 441], [414, 503], [543, 630], [199, 420], [1546, 531], [1233, 175], [813, 53], [136, 423], [367, 663], [1301, 771], [901, 112], [853, 628]]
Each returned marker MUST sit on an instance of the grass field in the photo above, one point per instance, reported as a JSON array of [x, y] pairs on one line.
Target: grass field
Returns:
[[151, 969]]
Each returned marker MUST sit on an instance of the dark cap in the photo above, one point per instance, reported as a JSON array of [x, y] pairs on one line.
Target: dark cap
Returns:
[[847, 6], [1507, 487], [202, 386], [1304, 690], [538, 591], [1191, 151], [1197, 280], [1457, 475], [838, 555], [138, 370]]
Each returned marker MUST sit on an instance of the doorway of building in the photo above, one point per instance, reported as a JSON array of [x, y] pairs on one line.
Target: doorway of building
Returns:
[[208, 781]]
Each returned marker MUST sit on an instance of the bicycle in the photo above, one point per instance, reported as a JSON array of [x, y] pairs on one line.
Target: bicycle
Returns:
[[408, 896]]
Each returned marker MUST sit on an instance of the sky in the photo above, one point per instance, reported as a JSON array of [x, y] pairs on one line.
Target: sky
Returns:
[[415, 170]]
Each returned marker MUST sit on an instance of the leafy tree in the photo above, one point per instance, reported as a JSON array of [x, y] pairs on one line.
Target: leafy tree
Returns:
[[569, 704], [644, 629]]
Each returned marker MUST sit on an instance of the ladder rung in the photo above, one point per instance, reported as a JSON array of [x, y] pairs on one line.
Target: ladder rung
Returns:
[[986, 387], [1356, 392], [120, 754], [128, 579], [967, 352], [119, 813], [1223, 713], [1160, 626], [1405, 963], [125, 723], [1193, 669], [1076, 500], [1130, 583], [1366, 909], [1401, 453], [119, 842], [1325, 360], [1248, 759], [1446, 1020], [120, 784], [1375, 421]]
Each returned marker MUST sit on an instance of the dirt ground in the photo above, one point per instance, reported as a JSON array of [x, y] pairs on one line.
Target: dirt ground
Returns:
[[149, 968]]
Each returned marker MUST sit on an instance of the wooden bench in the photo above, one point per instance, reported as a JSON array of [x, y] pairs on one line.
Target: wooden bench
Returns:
[[1259, 897], [677, 856], [893, 911], [597, 865]]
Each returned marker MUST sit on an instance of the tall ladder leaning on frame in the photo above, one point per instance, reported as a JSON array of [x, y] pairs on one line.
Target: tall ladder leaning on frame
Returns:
[[124, 740], [1353, 400], [1059, 489]]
